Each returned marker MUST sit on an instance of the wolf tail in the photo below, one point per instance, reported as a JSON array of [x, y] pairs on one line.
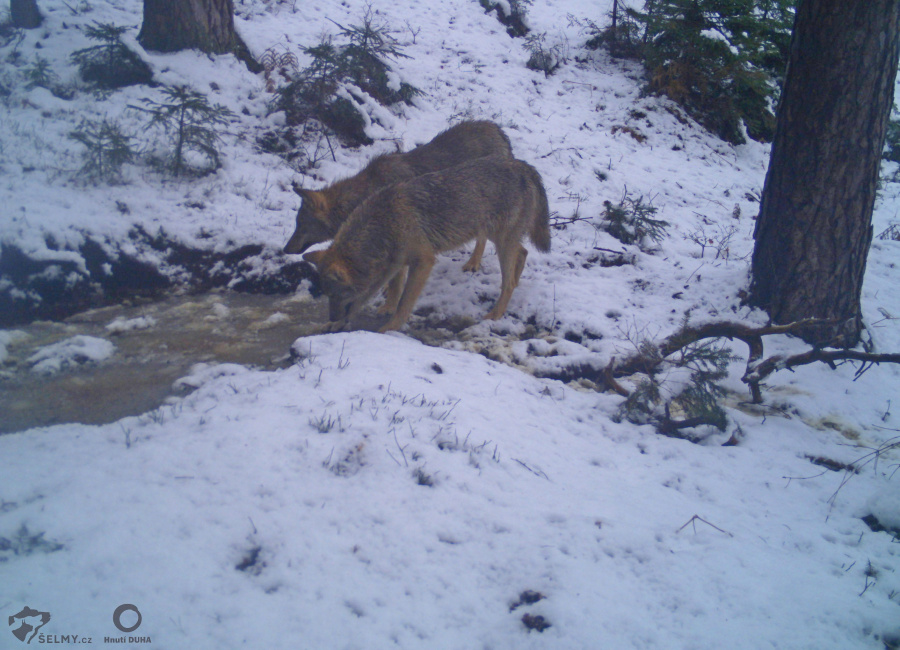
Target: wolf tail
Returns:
[[540, 222]]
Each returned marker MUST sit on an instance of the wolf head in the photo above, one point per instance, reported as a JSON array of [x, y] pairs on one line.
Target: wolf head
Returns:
[[313, 223], [337, 281]]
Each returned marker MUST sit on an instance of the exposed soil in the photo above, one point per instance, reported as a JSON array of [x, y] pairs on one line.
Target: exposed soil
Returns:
[[34, 289]]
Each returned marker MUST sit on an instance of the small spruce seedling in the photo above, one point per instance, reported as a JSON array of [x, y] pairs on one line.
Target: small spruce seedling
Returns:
[[632, 221], [107, 149], [110, 64], [40, 75], [191, 122]]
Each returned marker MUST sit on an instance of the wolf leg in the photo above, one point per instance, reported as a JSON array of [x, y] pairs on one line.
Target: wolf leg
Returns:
[[419, 270], [474, 263], [393, 292], [520, 264], [512, 261]]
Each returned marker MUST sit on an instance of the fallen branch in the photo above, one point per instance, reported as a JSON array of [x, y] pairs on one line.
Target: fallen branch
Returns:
[[751, 336], [756, 372], [672, 428], [708, 364], [757, 368], [611, 381]]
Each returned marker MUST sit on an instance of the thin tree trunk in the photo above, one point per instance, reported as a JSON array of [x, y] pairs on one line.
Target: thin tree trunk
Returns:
[[25, 14], [615, 21], [814, 226]]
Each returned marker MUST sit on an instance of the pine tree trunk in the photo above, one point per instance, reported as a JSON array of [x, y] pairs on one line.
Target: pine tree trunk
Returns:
[[814, 226], [24, 14], [207, 25]]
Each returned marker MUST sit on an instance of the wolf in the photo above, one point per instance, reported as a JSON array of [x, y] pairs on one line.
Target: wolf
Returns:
[[409, 223], [323, 211]]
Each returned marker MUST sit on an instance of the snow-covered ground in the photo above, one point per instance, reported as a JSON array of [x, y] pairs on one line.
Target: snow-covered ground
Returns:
[[381, 493]]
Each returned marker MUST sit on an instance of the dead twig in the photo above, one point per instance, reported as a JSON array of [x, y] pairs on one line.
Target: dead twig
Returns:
[[803, 478], [872, 457], [401, 448], [693, 520], [536, 472], [553, 151]]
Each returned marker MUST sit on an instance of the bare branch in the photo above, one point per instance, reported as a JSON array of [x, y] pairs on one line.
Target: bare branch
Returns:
[[752, 336], [759, 371], [650, 357]]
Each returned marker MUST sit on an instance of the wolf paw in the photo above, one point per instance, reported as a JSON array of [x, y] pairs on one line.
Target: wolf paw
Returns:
[[331, 326], [386, 309], [390, 326]]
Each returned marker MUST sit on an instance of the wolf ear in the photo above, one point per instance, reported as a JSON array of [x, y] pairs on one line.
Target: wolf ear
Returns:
[[314, 202], [319, 204]]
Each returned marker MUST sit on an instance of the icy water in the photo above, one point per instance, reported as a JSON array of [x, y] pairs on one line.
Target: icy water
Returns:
[[254, 330]]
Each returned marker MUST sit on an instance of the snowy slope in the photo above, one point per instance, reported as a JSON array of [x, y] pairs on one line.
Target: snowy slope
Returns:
[[425, 511], [381, 493]]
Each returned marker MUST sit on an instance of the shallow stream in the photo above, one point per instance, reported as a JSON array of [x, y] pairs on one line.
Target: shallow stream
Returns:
[[155, 344]]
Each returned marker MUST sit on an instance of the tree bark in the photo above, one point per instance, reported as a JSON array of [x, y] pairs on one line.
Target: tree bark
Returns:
[[814, 227], [207, 25], [25, 14]]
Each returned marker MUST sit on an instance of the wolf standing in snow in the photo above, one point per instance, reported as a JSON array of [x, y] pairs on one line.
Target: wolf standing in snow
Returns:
[[408, 224], [324, 211]]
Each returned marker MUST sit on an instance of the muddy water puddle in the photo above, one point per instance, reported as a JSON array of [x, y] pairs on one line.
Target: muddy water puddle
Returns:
[[155, 344]]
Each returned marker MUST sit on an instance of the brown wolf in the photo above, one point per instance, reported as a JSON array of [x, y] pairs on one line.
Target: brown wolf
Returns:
[[408, 224], [324, 211]]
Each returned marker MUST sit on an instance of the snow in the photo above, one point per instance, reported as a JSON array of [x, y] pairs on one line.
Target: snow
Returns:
[[885, 506], [382, 493], [74, 351], [543, 494], [119, 324], [7, 338]]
